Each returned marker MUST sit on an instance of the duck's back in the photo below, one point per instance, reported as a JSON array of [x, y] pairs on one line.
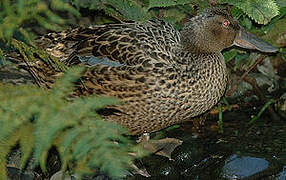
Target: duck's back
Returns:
[[128, 43]]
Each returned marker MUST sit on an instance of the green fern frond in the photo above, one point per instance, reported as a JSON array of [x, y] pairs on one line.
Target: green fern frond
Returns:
[[261, 11], [64, 85], [25, 141], [16, 13], [39, 119]]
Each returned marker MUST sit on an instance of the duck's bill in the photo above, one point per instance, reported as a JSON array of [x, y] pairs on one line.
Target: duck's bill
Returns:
[[250, 41]]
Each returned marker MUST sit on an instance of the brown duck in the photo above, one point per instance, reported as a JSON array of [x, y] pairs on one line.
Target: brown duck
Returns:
[[163, 76]]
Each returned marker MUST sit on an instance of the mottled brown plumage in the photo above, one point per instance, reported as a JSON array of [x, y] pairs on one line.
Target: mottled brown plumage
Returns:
[[163, 76]]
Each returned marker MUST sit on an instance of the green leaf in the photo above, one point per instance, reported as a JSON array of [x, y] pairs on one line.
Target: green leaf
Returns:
[[240, 60], [276, 34], [236, 12], [119, 9], [128, 10], [248, 23], [261, 11], [281, 3], [229, 55], [166, 3], [173, 16]]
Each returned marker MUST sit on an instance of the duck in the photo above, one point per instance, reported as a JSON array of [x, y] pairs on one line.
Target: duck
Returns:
[[163, 76]]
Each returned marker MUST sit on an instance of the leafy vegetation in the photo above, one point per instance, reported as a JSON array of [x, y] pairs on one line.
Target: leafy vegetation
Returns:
[[38, 119], [16, 13], [259, 10]]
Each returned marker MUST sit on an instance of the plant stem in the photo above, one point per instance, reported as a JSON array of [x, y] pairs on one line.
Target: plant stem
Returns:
[[220, 121], [261, 111]]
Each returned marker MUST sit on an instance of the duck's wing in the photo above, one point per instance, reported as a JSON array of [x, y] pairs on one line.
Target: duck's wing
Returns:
[[127, 43], [126, 50]]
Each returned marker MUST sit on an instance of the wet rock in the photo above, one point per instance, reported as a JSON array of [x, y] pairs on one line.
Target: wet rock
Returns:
[[189, 153], [206, 168], [249, 167], [282, 174], [59, 176], [242, 167], [159, 166]]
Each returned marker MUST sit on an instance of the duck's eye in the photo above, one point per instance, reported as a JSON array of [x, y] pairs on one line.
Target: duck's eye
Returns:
[[225, 23]]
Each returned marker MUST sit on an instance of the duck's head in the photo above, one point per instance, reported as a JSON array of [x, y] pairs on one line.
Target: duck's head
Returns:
[[215, 30]]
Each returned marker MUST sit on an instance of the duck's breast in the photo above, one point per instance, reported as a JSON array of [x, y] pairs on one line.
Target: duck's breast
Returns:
[[204, 85]]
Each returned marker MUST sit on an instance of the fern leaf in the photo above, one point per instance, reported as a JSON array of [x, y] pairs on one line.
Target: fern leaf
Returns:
[[63, 6], [82, 147], [65, 145], [26, 141], [15, 13], [261, 11], [64, 85], [38, 118]]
